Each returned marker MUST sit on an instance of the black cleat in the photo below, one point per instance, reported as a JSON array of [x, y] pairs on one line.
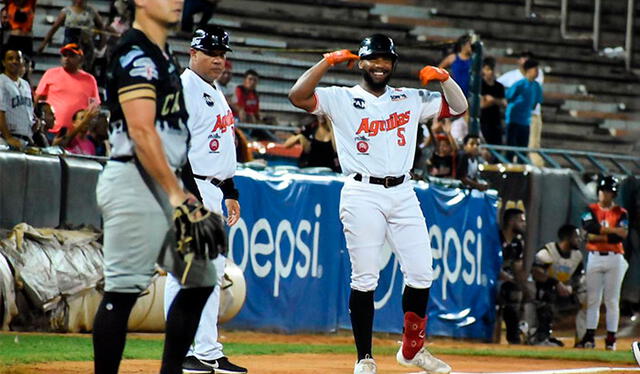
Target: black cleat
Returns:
[[223, 366], [192, 365]]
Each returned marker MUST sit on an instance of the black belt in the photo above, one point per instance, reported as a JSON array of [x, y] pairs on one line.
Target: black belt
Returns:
[[386, 181], [122, 158], [215, 181], [23, 137]]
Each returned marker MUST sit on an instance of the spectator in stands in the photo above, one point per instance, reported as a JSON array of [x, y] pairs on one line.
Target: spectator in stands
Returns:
[[99, 134], [318, 145], [45, 119], [26, 72], [512, 277], [193, 7], [16, 102], [459, 63], [491, 102], [223, 82], [558, 273], [80, 21], [75, 140], [468, 161], [120, 22], [20, 14], [442, 163], [508, 79], [247, 100], [68, 88], [522, 97]]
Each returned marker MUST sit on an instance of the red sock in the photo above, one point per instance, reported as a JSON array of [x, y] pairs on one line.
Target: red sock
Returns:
[[413, 335]]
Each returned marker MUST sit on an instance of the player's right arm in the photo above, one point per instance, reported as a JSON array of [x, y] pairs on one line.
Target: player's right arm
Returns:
[[301, 94]]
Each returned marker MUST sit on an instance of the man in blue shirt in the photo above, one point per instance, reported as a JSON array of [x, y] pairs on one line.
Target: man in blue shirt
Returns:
[[522, 97]]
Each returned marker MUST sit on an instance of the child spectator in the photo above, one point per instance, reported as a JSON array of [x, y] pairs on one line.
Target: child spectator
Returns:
[[45, 119], [522, 98], [468, 162], [76, 140], [491, 102]]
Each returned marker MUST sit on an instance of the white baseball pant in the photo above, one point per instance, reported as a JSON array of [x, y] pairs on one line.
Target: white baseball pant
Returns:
[[604, 276], [370, 213], [205, 345]]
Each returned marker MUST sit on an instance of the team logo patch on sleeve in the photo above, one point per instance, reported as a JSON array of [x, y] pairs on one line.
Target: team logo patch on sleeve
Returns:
[[130, 56], [208, 99], [145, 68], [358, 103]]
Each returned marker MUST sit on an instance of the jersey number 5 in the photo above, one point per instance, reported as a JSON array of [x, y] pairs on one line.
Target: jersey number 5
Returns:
[[401, 139]]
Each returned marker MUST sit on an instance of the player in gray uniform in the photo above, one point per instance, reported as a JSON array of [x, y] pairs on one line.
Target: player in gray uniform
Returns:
[[138, 188], [16, 102], [212, 159]]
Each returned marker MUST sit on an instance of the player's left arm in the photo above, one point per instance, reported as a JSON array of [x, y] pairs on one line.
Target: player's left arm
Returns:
[[454, 103]]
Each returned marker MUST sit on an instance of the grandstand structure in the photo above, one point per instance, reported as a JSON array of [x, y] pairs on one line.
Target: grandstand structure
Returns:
[[591, 100]]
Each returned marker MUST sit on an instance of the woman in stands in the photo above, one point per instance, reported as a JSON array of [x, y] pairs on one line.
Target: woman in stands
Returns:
[[318, 148], [80, 21]]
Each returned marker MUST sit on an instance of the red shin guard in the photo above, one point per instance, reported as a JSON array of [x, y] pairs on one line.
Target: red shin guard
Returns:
[[413, 335]]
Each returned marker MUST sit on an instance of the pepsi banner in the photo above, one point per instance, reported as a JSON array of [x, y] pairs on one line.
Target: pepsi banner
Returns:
[[290, 246]]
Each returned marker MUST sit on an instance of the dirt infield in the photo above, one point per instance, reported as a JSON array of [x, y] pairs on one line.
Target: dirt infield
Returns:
[[330, 363]]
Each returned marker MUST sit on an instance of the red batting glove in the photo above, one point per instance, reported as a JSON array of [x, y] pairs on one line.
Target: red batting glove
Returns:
[[429, 73], [338, 57]]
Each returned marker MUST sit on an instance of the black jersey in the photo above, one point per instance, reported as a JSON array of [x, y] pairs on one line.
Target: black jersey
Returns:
[[511, 252], [140, 69]]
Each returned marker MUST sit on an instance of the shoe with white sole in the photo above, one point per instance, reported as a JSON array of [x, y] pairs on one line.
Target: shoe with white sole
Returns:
[[425, 361], [365, 366], [635, 347]]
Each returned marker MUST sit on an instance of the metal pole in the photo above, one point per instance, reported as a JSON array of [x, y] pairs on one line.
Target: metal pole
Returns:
[[629, 37], [564, 7], [596, 25], [528, 4]]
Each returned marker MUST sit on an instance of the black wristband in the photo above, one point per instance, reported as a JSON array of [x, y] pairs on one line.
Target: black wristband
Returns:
[[229, 190], [614, 238]]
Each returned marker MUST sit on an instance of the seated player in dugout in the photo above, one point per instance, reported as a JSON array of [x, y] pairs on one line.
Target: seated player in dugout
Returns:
[[559, 276], [512, 278], [375, 128]]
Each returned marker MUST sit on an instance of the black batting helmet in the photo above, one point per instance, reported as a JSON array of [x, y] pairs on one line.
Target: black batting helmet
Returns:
[[209, 38], [377, 45], [608, 183]]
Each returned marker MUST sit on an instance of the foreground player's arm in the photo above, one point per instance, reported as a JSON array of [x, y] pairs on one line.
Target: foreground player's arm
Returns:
[[301, 94], [453, 94], [140, 116]]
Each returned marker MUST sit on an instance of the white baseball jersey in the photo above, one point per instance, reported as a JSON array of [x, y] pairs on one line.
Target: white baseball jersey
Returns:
[[17, 104], [376, 136], [560, 267], [509, 78], [212, 150]]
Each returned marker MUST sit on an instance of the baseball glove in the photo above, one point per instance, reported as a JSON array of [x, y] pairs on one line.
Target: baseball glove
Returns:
[[199, 234]]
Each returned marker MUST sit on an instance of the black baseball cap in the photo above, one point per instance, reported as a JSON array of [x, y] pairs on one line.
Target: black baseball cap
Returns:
[[210, 38]]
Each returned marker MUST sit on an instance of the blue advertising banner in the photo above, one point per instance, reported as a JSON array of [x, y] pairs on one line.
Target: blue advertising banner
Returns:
[[290, 246]]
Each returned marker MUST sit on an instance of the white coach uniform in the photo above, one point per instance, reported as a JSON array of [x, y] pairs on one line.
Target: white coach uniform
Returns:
[[376, 138], [212, 153], [17, 104]]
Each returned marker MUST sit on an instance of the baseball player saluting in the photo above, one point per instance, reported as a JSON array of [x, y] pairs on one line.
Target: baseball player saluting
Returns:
[[212, 156], [607, 226], [376, 128], [138, 188]]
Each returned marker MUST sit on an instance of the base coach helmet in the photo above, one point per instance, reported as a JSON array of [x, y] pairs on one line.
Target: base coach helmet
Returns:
[[608, 183], [210, 38], [377, 45]]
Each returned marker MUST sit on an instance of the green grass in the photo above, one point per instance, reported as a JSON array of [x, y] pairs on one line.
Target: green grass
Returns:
[[44, 348]]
